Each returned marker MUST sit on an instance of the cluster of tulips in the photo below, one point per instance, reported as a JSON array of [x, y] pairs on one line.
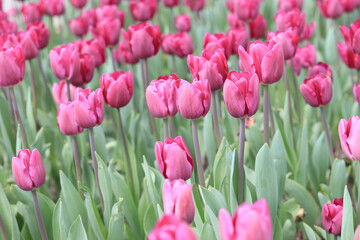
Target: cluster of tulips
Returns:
[[260, 64]]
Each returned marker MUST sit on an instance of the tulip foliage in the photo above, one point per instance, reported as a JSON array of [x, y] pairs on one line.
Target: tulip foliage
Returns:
[[192, 119]]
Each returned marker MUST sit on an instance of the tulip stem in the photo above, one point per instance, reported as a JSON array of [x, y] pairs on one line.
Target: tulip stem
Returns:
[[113, 59], [47, 88], [219, 98], [3, 229], [33, 89], [77, 161], [327, 135], [199, 166], [215, 119], [126, 152], [38, 216], [68, 90], [241, 161], [95, 165], [136, 108], [18, 118], [266, 114], [296, 90], [172, 20], [173, 59], [172, 127], [166, 128], [271, 116], [286, 75], [11, 110]]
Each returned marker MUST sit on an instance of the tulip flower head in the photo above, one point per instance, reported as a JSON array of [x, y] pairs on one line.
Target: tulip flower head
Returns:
[[317, 90], [215, 41], [95, 48], [64, 61], [288, 5], [79, 26], [321, 67], [258, 27], [183, 23], [246, 9], [331, 8], [59, 92], [292, 20], [238, 37], [195, 5], [124, 55], [32, 12], [332, 216], [288, 40], [78, 3], [87, 66], [352, 36], [42, 32], [143, 10], [178, 44], [66, 119], [349, 134]]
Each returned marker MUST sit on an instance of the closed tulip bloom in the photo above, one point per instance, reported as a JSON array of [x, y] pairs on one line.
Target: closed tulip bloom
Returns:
[[241, 94], [89, 107], [53, 7], [87, 66], [124, 55], [78, 3], [292, 20], [349, 5], [161, 96], [42, 32], [357, 233], [170, 3], [90, 15], [288, 40], [250, 222], [183, 23], [195, 5], [143, 10], [79, 26], [117, 88], [305, 57], [321, 67], [331, 216], [59, 92], [32, 12], [95, 48], [246, 9], [308, 31], [109, 30], [258, 27], [169, 227], [64, 61], [215, 41], [8, 27], [107, 12], [179, 44], [350, 59], [109, 2], [143, 39], [29, 43], [331, 8], [28, 169], [317, 90], [66, 119], [12, 66], [352, 36], [287, 5], [356, 92], [193, 99], [349, 137], [178, 200], [264, 59], [173, 159], [238, 37]]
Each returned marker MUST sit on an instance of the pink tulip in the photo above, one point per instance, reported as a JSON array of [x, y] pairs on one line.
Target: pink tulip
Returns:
[[349, 137], [288, 5], [161, 96], [332, 216], [210, 67], [241, 94], [79, 26], [106, 12], [178, 200], [331, 8], [292, 20], [124, 55], [305, 57], [348, 57], [117, 88], [29, 43], [193, 100], [308, 31], [183, 23], [234, 22], [109, 2], [321, 67], [238, 37], [170, 3], [352, 36], [95, 48], [264, 59], [87, 66], [28, 169], [66, 119], [42, 32], [53, 7], [12, 66], [91, 16], [89, 107], [215, 41], [78, 3], [9, 41], [143, 39], [288, 40], [178, 44], [356, 92], [317, 90], [195, 5], [8, 27], [109, 30], [59, 92], [143, 10], [246, 9], [258, 27], [357, 233], [32, 12], [64, 61], [169, 227], [250, 222], [349, 5]]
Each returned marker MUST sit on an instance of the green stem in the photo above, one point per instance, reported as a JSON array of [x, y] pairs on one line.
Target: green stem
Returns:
[[33, 90], [166, 128], [77, 160], [199, 166], [172, 127], [296, 91], [266, 114], [241, 161], [287, 84], [326, 126], [38, 216], [113, 59], [3, 229], [215, 119]]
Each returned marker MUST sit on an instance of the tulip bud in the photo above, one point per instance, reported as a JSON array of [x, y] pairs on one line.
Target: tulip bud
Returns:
[[42, 32], [356, 92], [349, 135], [108, 12], [178, 200], [215, 41], [352, 36], [28, 169], [170, 3], [195, 5], [241, 94], [234, 22], [292, 20], [258, 27], [332, 216], [117, 88], [246, 10], [53, 7], [321, 67], [12, 66], [79, 26], [317, 90], [331, 8], [78, 3], [288, 5], [89, 107], [250, 222], [87, 66], [29, 43], [193, 99], [288, 40], [123, 54], [357, 233], [238, 37], [169, 227], [109, 30], [90, 15], [349, 5], [143, 10], [350, 59], [64, 61], [183, 23], [179, 44], [59, 92], [66, 119], [32, 12], [308, 31], [161, 96], [173, 159], [95, 48], [305, 57]]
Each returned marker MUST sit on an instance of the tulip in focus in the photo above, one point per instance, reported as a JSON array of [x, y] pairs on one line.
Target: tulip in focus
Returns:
[[332, 216], [143, 10], [117, 88], [250, 222], [288, 40], [59, 92], [86, 73], [28, 169], [183, 23], [173, 159], [66, 119], [349, 137], [179, 44], [79, 26], [178, 200], [32, 12], [12, 65], [215, 41], [317, 90], [331, 8], [352, 36], [64, 61]]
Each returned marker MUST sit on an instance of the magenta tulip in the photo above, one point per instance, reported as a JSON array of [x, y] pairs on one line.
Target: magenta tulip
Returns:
[[66, 119], [64, 61], [321, 67], [78, 3], [178, 44], [356, 92], [29, 43], [305, 57], [79, 26], [349, 137], [246, 9], [42, 32], [32, 12], [109, 30], [258, 27], [59, 92], [332, 216], [331, 8], [53, 7], [352, 36], [238, 37], [288, 5], [292, 20], [317, 90], [143, 10], [195, 5], [12, 67], [170, 3], [288, 40], [87, 66], [95, 48], [183, 23], [124, 55], [215, 41]]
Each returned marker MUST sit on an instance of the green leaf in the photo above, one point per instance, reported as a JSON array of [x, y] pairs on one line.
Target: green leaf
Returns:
[[309, 232], [347, 229], [220, 169], [302, 165], [77, 230], [320, 161], [116, 223], [150, 219], [337, 179], [211, 200], [8, 216], [278, 234], [214, 221], [28, 213], [57, 222], [100, 143], [150, 184], [207, 232]]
